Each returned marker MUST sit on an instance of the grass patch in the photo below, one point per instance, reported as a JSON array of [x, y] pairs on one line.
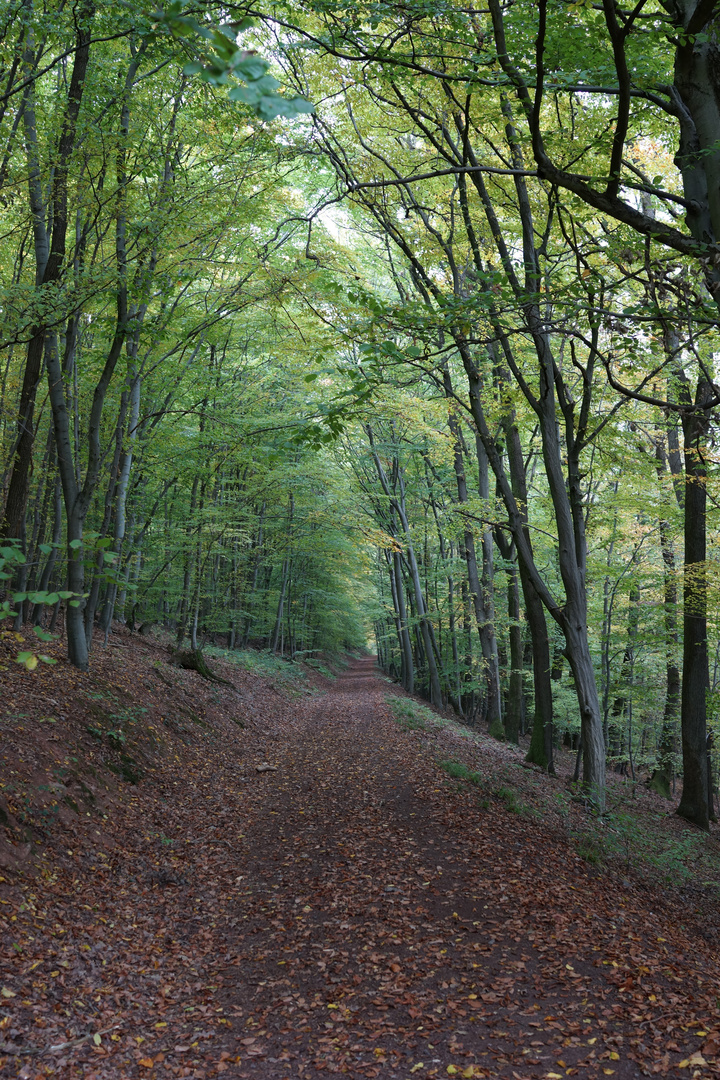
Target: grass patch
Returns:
[[413, 716], [409, 714], [283, 674], [506, 795], [512, 803], [320, 667], [458, 771]]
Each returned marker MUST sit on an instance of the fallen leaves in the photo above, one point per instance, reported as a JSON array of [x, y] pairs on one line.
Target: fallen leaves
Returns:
[[694, 1059], [301, 921]]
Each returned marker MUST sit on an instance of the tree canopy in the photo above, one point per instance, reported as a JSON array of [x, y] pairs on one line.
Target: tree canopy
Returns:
[[390, 328]]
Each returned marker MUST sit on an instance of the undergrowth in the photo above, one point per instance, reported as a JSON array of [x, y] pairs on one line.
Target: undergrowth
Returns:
[[319, 666], [283, 674], [414, 716], [630, 836], [625, 838], [411, 715]]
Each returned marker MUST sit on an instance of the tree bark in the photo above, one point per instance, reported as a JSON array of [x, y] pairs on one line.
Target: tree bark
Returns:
[[694, 803], [49, 259]]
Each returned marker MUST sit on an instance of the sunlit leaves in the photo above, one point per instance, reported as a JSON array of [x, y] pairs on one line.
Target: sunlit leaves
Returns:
[[222, 62]]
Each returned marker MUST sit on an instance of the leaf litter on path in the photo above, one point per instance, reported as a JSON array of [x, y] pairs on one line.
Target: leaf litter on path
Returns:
[[356, 915]]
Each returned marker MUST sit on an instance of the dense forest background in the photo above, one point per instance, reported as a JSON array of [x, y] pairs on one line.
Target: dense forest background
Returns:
[[395, 327]]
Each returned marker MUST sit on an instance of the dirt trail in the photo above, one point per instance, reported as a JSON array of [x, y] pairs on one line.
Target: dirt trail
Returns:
[[354, 912], [389, 924]]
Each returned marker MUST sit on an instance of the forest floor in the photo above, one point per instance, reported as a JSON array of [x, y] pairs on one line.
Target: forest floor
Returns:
[[166, 909]]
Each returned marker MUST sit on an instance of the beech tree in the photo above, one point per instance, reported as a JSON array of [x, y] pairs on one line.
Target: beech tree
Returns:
[[434, 361], [528, 55]]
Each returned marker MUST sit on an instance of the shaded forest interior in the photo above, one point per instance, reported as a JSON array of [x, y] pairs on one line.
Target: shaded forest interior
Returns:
[[396, 331]]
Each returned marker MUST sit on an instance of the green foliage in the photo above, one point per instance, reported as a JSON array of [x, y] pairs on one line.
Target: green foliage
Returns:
[[509, 797], [281, 673], [222, 62], [458, 771], [283, 341], [629, 836], [317, 665], [411, 715]]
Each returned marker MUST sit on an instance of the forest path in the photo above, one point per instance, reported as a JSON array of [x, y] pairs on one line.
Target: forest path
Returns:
[[390, 926], [355, 912]]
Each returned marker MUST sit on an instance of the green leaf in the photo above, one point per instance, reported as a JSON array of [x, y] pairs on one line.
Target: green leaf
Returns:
[[12, 554], [28, 659], [75, 544]]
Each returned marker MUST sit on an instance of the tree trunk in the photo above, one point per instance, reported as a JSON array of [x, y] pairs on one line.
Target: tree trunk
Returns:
[[514, 701], [540, 751], [488, 637], [49, 259], [694, 804], [663, 776]]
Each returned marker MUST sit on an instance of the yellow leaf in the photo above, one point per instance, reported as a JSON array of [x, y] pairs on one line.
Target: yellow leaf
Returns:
[[614, 1056], [331, 1005], [697, 1059], [420, 1065], [683, 1064], [147, 1063], [608, 1072], [469, 1072], [451, 1070], [7, 993], [591, 1042], [554, 1076], [161, 1024]]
